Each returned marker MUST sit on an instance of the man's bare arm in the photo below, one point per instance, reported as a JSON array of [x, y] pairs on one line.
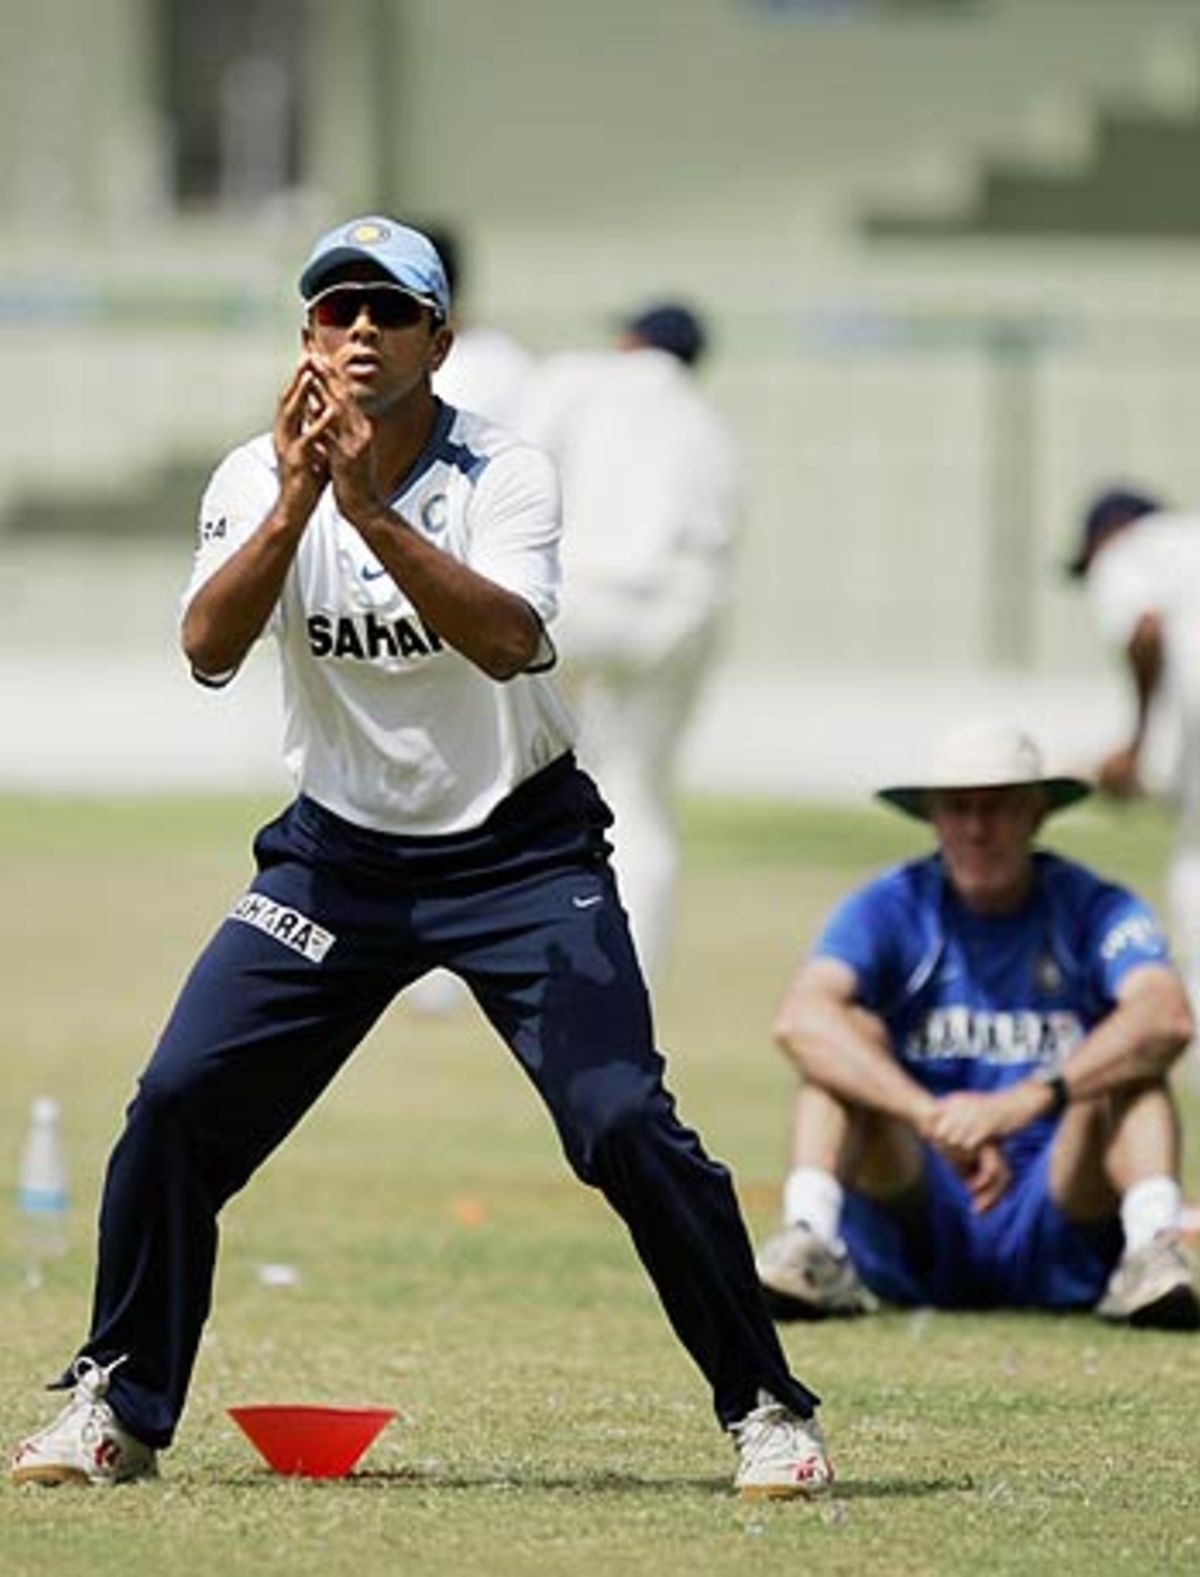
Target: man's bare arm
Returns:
[[843, 1048], [229, 612]]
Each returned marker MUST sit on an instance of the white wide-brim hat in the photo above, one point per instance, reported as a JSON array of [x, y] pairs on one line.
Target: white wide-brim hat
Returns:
[[985, 753]]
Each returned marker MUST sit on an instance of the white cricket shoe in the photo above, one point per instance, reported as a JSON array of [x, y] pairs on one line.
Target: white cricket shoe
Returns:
[[86, 1443], [780, 1454], [1153, 1287], [805, 1279]]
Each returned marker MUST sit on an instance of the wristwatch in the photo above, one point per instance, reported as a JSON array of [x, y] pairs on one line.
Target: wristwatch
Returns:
[[1058, 1087]]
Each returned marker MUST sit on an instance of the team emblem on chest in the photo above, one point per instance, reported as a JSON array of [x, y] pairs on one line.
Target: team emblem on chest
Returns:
[[1047, 974], [435, 513]]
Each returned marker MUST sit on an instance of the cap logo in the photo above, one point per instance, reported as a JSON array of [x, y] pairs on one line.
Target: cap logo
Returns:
[[368, 234]]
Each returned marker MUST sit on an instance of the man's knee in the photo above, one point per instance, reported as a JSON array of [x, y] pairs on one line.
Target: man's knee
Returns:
[[1103, 1145], [885, 1158], [870, 1152], [611, 1113], [1094, 1124], [164, 1090], [170, 1105]]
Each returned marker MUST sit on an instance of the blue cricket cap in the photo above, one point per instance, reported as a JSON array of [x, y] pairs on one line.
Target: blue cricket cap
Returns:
[[671, 327], [409, 257], [1107, 513]]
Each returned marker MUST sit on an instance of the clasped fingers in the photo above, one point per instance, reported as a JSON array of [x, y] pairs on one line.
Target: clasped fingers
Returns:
[[963, 1121]]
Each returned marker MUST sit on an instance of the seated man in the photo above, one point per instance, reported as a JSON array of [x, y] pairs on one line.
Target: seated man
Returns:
[[985, 1037]]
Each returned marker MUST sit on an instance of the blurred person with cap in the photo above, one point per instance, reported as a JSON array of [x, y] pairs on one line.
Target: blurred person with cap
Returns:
[[403, 556], [1140, 563], [486, 369], [984, 1037], [651, 511]]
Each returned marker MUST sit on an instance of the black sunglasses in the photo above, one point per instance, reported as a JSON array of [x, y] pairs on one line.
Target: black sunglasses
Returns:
[[389, 306]]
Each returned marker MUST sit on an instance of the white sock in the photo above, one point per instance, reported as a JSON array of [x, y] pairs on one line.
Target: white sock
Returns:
[[1150, 1207], [814, 1197]]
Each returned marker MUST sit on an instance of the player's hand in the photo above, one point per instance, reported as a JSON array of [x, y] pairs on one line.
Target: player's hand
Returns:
[[349, 444], [965, 1120], [299, 434], [987, 1177], [1118, 773]]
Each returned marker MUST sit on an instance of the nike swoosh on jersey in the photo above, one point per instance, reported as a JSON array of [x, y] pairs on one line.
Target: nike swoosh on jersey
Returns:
[[368, 573], [588, 903]]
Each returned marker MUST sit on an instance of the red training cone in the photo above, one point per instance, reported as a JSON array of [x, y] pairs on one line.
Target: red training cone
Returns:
[[314, 1442]]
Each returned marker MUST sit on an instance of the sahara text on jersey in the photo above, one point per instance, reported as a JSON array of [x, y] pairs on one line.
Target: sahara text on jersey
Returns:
[[366, 637], [1028, 1036]]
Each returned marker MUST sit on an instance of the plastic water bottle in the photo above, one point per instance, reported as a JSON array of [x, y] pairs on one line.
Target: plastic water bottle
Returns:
[[42, 1195]]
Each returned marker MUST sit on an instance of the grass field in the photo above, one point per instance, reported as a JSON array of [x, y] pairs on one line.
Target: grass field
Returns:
[[449, 1266]]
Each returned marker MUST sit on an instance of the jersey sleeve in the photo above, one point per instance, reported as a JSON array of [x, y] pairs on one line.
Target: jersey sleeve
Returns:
[[515, 527], [861, 932], [1122, 933], [239, 496], [1123, 585]]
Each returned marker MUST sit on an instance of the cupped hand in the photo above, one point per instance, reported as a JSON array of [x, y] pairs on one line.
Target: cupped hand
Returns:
[[987, 1177], [302, 420], [348, 438], [962, 1122]]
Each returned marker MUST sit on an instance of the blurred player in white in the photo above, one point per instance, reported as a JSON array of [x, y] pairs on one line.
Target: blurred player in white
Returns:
[[487, 369], [651, 504], [1141, 564]]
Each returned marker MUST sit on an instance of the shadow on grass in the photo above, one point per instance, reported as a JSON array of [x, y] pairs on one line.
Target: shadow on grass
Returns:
[[901, 1488], [416, 1478], [597, 1483]]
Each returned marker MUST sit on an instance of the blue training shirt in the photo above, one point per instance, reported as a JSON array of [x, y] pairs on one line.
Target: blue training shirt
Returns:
[[976, 1002]]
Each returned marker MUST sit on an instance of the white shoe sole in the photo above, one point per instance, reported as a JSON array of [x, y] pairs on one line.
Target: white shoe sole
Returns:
[[50, 1475], [784, 1491]]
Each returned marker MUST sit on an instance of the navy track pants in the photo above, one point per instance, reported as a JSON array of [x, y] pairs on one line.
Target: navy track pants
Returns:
[[338, 920]]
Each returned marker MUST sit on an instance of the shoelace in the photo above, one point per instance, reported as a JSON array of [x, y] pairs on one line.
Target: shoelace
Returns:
[[91, 1378], [760, 1427], [772, 1435], [91, 1387]]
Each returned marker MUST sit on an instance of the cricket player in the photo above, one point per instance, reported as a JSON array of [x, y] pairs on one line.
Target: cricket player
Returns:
[[985, 1037], [1140, 562], [403, 556], [651, 504]]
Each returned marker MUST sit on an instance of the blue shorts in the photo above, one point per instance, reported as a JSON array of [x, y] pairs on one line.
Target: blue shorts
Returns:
[[1022, 1253]]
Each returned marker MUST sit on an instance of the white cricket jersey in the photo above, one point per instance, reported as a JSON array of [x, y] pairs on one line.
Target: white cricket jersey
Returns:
[[1154, 566], [486, 372], [651, 500], [384, 723]]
